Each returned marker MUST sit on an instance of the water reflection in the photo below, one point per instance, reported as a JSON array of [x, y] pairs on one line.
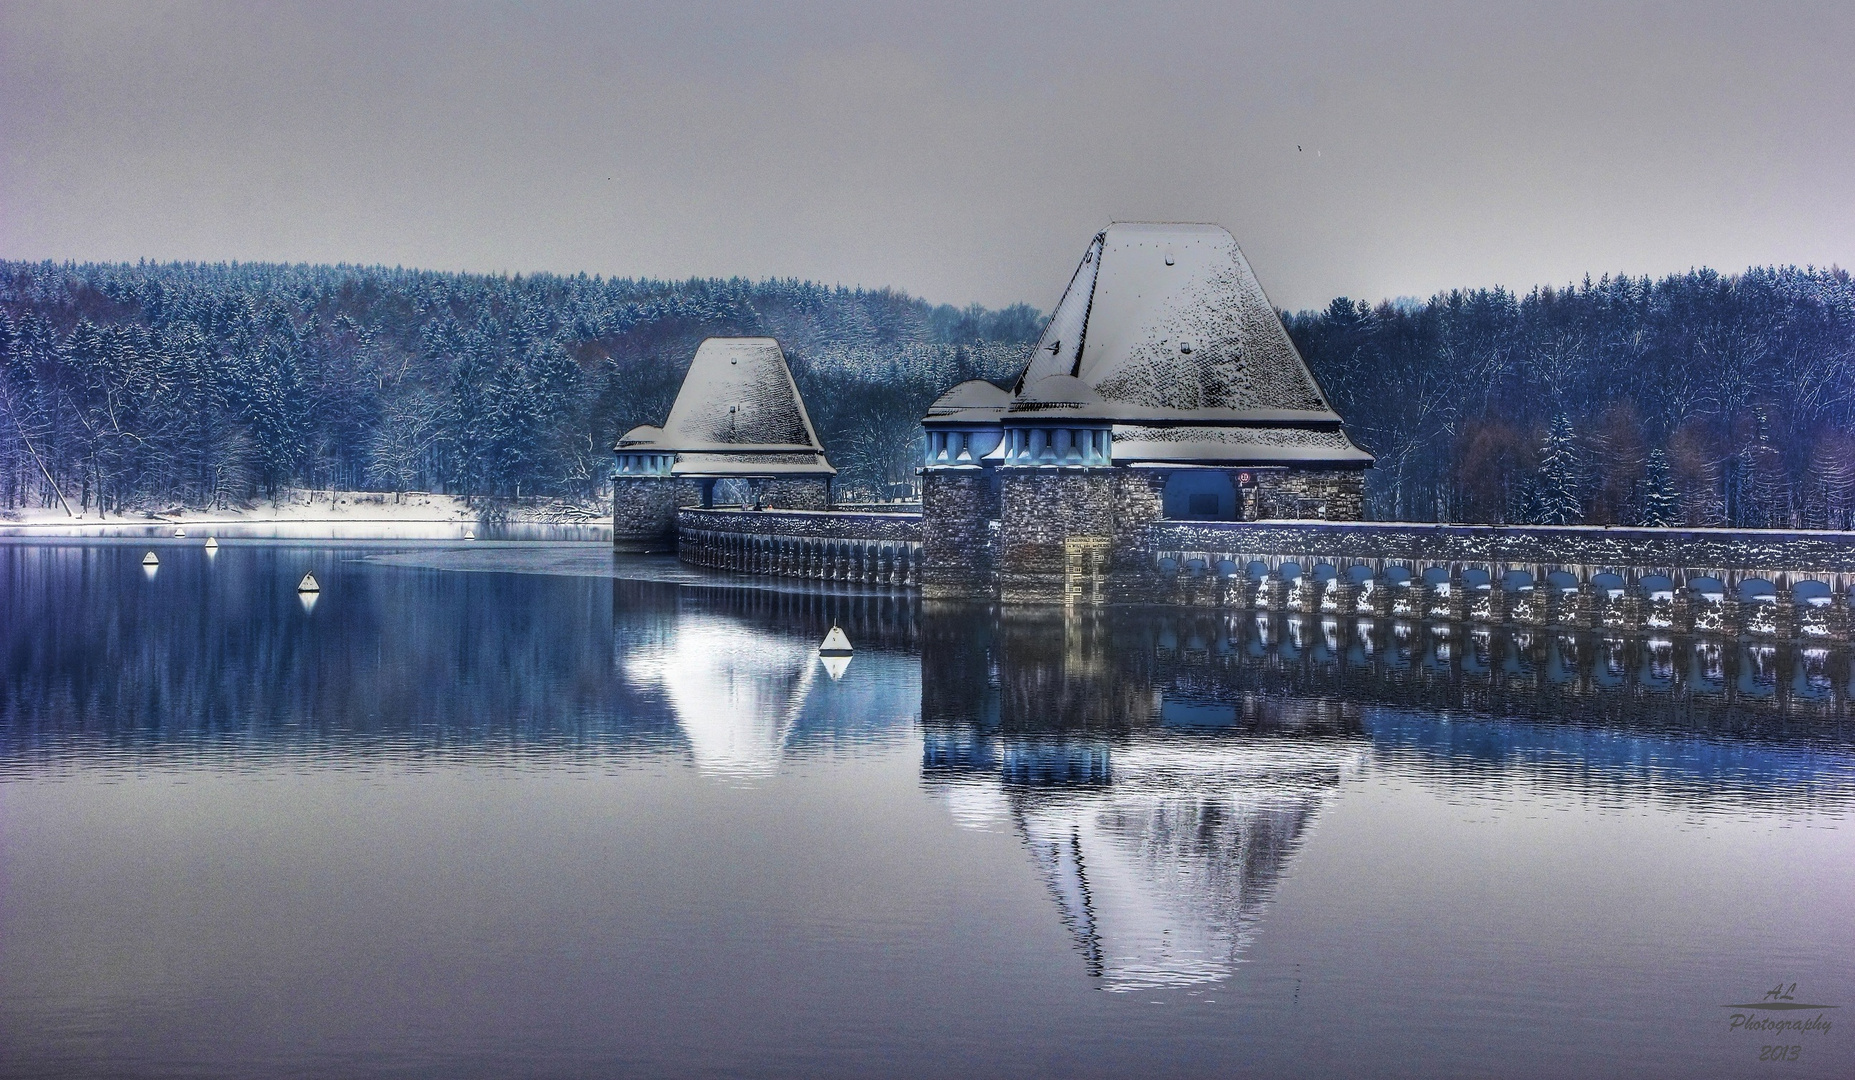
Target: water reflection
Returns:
[[221, 659], [503, 807], [1160, 817], [1205, 672], [736, 693], [1160, 852]]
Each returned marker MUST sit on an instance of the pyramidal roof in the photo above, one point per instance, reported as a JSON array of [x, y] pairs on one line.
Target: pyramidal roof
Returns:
[[1170, 317], [740, 412]]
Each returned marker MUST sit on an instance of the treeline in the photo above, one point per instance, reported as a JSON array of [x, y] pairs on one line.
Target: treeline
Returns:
[[131, 387], [1699, 399]]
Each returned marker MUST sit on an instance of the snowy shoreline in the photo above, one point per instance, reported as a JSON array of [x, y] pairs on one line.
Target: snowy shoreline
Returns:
[[345, 514]]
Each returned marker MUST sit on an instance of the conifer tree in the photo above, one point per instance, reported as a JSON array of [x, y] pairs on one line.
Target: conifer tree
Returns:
[[1659, 497], [1559, 476]]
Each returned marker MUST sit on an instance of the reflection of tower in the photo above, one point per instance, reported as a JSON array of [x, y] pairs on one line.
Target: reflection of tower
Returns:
[[1159, 798], [736, 692], [1161, 851]]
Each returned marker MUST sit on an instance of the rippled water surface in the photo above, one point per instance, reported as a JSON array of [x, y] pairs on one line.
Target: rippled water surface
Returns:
[[522, 810]]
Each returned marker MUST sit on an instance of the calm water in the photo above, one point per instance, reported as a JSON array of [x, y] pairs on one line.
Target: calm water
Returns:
[[513, 811]]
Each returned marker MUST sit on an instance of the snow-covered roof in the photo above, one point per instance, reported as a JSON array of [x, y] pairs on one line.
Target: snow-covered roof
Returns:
[[975, 401], [1172, 316], [642, 437], [739, 413], [1236, 444], [972, 394], [1169, 326], [1057, 390]]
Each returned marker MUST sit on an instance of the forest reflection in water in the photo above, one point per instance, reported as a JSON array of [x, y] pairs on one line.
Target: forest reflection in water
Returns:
[[1157, 777]]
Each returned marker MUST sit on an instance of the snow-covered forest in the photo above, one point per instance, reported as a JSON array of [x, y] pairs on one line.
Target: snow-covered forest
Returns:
[[1702, 399], [127, 387]]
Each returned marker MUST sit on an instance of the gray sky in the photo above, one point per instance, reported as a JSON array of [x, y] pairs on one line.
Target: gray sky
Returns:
[[961, 151]]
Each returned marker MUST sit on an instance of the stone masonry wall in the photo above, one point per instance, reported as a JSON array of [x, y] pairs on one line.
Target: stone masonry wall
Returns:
[[1767, 583], [848, 546], [644, 514], [1697, 550], [1044, 508], [796, 493], [810, 524], [958, 507], [1327, 495]]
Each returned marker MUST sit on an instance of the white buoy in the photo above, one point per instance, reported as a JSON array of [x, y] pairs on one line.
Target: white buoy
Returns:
[[212, 543], [470, 534], [835, 643], [308, 584], [150, 560], [180, 532]]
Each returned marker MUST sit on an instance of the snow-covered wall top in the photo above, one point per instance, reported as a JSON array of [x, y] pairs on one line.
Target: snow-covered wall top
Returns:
[[1730, 551]]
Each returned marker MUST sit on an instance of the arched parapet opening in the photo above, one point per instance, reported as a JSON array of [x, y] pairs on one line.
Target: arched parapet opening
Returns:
[[1756, 590], [1813, 599], [1611, 604], [1401, 591], [1362, 578], [1707, 599], [1435, 592], [1561, 582], [1657, 594], [1762, 610], [1325, 585], [1517, 581], [1478, 602]]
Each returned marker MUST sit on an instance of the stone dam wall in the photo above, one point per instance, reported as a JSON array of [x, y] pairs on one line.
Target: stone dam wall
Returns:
[[875, 548], [1782, 584]]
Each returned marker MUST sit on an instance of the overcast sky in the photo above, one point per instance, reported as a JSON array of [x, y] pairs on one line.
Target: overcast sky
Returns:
[[960, 151]]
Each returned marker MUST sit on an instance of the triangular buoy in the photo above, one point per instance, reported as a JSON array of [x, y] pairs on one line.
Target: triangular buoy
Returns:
[[180, 532], [308, 584], [835, 643], [150, 560], [212, 543], [470, 534]]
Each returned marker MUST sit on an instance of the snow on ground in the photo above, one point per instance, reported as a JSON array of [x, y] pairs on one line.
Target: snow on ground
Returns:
[[303, 513]]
